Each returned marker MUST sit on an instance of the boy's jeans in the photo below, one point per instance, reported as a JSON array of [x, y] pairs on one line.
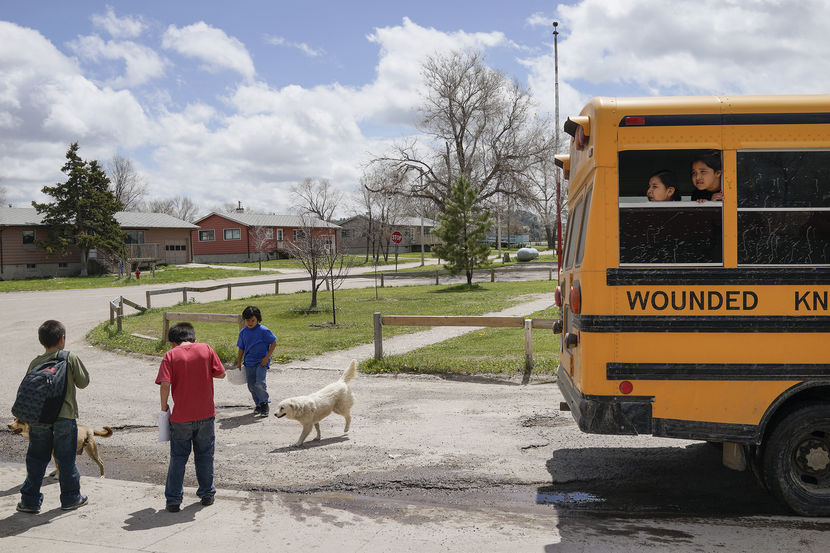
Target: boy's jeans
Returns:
[[62, 436], [183, 435], [256, 383]]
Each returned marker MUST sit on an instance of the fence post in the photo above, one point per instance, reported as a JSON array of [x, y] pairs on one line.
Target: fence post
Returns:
[[112, 314], [378, 320], [184, 295], [528, 350], [492, 275], [229, 291], [550, 274], [120, 311], [165, 327], [148, 299], [276, 287]]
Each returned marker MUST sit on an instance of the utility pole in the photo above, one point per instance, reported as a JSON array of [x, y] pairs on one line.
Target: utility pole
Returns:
[[556, 138]]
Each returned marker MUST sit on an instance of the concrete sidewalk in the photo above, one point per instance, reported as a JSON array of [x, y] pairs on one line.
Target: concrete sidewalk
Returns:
[[130, 516]]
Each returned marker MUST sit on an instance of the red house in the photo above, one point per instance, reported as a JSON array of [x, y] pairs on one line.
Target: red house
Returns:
[[238, 237], [152, 238]]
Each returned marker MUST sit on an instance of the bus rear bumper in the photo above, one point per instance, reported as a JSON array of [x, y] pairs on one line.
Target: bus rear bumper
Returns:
[[626, 415]]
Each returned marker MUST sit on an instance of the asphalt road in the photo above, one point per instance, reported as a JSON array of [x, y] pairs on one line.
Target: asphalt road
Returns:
[[491, 459]]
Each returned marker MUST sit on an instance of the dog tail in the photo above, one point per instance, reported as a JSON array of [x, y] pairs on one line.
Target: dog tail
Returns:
[[349, 373], [105, 434]]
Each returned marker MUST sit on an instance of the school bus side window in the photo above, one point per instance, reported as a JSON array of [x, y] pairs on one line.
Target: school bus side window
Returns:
[[574, 225], [784, 208], [675, 230]]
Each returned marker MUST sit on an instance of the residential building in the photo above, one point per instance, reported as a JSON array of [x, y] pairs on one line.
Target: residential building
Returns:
[[238, 237], [152, 237], [356, 232]]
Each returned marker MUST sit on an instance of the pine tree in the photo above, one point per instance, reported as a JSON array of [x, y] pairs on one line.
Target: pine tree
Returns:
[[83, 211], [462, 228]]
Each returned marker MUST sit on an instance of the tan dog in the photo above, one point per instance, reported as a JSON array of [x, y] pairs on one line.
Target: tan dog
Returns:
[[86, 441], [311, 409]]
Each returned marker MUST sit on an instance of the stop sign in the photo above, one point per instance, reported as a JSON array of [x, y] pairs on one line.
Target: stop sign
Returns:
[[397, 237]]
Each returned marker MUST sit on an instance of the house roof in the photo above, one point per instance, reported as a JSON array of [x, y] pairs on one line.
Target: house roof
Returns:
[[266, 220], [28, 216]]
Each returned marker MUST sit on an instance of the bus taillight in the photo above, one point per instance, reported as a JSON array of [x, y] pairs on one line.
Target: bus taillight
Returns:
[[557, 296], [575, 298], [626, 387]]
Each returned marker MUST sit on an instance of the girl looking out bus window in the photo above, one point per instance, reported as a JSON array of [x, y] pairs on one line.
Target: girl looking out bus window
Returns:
[[706, 177], [661, 187]]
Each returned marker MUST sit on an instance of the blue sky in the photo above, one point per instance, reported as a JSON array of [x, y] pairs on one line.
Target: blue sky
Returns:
[[236, 101]]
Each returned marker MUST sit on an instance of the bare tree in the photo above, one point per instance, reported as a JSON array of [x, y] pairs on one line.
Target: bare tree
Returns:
[[337, 265], [383, 209], [479, 124], [181, 207], [316, 197], [127, 185], [311, 249], [543, 197], [261, 240]]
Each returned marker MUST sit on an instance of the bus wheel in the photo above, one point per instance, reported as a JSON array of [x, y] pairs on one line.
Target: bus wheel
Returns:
[[796, 460]]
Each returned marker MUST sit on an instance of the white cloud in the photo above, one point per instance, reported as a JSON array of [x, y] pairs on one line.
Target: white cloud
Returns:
[[704, 47], [142, 64], [118, 27], [212, 46], [301, 46], [45, 104], [539, 19]]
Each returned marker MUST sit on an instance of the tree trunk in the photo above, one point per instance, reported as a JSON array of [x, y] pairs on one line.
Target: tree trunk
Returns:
[[469, 277], [550, 237], [84, 261], [333, 308]]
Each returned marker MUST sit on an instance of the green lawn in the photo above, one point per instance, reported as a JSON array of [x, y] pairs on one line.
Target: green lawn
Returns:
[[163, 275], [302, 335], [486, 351]]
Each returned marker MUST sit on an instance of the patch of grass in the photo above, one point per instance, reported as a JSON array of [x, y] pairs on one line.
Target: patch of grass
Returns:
[[486, 351], [297, 335], [164, 275]]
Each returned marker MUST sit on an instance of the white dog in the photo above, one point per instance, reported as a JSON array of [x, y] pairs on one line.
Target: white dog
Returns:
[[311, 409]]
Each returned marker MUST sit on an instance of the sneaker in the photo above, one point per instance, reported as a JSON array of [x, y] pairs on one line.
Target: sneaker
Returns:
[[80, 503], [21, 508], [258, 410], [207, 500], [263, 410], [173, 508]]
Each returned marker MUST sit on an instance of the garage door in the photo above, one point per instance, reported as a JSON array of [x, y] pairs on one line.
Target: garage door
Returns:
[[175, 252]]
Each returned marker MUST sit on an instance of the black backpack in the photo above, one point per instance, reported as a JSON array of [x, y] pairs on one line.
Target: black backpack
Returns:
[[41, 394]]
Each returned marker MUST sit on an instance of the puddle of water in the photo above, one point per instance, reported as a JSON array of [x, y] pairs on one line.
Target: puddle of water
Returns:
[[566, 498]]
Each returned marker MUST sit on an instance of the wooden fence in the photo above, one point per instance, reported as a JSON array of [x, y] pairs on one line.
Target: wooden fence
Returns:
[[494, 321], [117, 309], [191, 317], [184, 290]]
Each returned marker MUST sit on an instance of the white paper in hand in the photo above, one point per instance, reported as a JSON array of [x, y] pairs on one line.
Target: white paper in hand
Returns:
[[236, 376], [164, 426]]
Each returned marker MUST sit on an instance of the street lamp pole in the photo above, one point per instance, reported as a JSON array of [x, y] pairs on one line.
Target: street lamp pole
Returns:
[[556, 138]]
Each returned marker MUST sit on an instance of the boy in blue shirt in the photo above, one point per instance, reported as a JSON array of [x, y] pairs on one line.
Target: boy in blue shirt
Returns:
[[256, 343]]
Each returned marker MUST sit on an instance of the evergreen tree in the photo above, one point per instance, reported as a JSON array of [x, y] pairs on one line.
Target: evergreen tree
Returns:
[[462, 228], [83, 211]]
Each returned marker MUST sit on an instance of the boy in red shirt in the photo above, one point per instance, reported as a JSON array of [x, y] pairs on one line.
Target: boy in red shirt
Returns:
[[188, 371]]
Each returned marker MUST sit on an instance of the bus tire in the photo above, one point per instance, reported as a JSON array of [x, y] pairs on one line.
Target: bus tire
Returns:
[[796, 460]]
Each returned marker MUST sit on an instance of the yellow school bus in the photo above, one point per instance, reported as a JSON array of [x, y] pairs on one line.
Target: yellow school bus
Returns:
[[703, 317]]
